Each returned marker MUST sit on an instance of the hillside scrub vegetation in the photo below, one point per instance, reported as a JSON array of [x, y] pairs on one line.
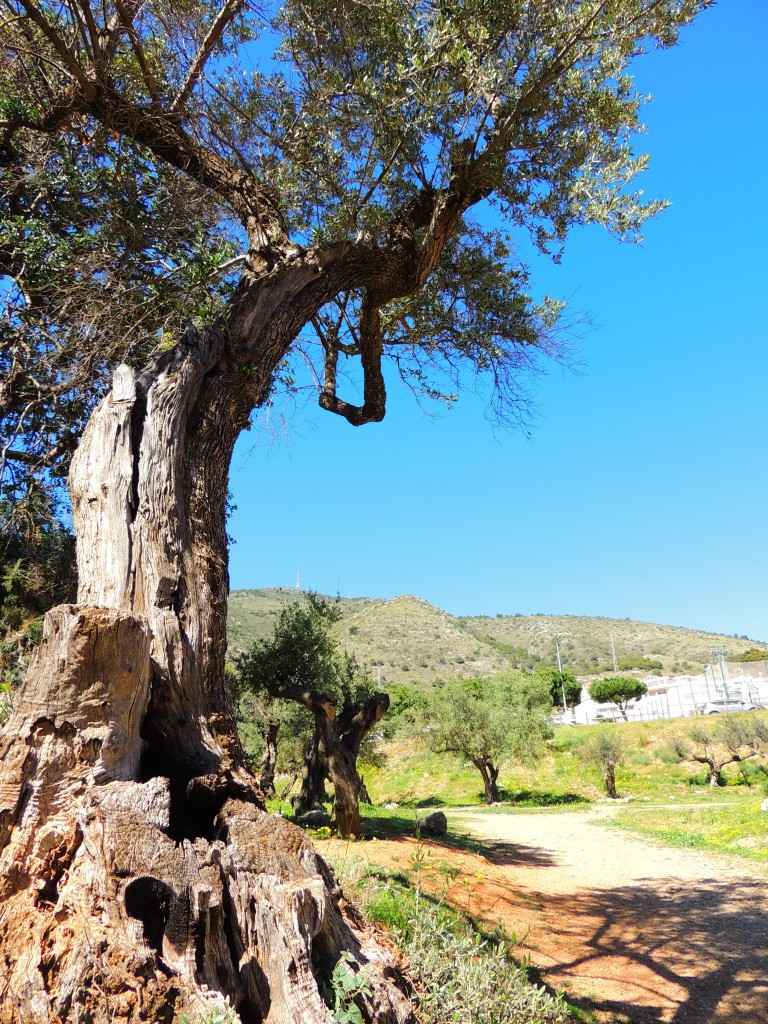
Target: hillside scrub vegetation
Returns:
[[436, 645]]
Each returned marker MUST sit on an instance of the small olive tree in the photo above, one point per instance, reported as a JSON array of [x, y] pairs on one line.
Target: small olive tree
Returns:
[[606, 750], [732, 742], [618, 690], [487, 721]]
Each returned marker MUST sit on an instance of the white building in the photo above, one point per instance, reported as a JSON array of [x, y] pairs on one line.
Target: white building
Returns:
[[682, 696]]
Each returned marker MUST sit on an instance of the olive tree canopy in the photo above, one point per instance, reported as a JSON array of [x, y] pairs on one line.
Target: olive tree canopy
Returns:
[[154, 155]]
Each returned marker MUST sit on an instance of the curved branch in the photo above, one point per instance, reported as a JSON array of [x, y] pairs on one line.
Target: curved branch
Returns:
[[374, 390], [161, 133], [321, 707]]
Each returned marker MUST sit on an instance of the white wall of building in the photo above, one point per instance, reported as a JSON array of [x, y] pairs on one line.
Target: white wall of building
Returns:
[[682, 696]]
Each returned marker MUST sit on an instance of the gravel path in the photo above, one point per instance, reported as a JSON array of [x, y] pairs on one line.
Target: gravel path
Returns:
[[638, 931]]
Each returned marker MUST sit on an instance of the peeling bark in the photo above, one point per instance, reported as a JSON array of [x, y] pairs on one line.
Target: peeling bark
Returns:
[[140, 876]]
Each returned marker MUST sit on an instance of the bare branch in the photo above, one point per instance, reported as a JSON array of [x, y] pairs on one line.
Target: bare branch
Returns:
[[228, 12], [69, 59], [127, 22]]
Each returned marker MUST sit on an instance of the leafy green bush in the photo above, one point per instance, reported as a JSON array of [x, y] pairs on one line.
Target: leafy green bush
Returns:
[[466, 978], [463, 977], [667, 754], [345, 984], [640, 757]]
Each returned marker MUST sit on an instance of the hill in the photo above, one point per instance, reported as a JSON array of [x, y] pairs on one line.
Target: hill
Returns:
[[408, 640]]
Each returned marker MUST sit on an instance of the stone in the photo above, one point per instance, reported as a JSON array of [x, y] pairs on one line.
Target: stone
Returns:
[[436, 824], [313, 819]]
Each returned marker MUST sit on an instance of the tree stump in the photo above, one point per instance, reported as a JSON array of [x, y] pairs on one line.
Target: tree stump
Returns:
[[125, 898]]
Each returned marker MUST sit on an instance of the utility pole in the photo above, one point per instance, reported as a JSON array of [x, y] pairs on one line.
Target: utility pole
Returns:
[[562, 680], [719, 653], [706, 680]]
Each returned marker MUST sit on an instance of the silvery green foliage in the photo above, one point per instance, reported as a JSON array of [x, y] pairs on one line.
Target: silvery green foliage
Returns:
[[355, 121], [469, 980]]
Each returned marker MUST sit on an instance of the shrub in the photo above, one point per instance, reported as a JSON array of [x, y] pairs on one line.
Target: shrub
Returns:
[[467, 978], [668, 754], [462, 977], [606, 750]]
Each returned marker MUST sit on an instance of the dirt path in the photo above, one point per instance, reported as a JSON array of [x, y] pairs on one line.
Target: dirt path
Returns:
[[635, 931], [656, 933]]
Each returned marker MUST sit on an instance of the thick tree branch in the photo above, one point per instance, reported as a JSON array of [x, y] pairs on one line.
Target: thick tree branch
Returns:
[[161, 133], [319, 705], [374, 390]]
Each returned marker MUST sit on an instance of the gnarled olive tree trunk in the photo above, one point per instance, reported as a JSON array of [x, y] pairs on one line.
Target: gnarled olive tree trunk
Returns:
[[333, 751], [269, 759], [140, 877], [490, 774]]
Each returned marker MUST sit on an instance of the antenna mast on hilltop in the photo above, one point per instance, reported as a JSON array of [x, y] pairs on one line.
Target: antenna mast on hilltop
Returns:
[[298, 587]]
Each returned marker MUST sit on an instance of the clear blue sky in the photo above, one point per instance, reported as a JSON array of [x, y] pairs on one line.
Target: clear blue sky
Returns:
[[642, 492]]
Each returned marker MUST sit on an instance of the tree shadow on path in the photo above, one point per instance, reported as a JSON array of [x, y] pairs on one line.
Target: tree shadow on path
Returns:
[[504, 853], [692, 953]]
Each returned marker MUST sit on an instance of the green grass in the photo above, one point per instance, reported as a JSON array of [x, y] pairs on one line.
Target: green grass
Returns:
[[462, 975], [414, 778], [740, 829]]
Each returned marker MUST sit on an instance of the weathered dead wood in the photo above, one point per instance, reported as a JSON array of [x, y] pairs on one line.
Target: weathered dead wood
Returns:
[[140, 876], [107, 912], [149, 487]]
